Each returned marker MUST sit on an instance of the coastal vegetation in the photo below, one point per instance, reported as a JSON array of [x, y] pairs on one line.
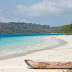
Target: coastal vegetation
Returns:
[[21, 27], [67, 29]]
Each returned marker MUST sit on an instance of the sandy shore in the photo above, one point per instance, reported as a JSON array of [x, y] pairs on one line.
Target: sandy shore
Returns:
[[61, 53]]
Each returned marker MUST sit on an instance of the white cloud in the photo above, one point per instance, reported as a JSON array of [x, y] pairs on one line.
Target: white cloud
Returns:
[[3, 19], [46, 8]]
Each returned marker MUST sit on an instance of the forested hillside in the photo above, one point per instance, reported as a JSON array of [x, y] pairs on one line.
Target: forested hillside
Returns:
[[67, 29], [21, 27]]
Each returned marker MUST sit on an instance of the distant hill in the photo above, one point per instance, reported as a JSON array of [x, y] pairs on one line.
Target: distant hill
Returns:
[[67, 29], [21, 27]]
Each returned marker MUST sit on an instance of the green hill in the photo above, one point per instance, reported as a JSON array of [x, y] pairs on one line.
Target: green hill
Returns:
[[67, 29], [21, 27]]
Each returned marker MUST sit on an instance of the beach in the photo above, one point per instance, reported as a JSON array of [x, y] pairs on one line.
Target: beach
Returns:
[[60, 53]]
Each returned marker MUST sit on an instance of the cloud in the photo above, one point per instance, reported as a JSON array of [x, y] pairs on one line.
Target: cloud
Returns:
[[46, 8], [4, 19]]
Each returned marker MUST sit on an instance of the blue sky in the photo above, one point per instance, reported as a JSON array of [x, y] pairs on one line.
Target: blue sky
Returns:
[[50, 12]]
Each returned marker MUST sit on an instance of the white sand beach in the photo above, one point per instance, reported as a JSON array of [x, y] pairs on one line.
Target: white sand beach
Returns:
[[61, 53]]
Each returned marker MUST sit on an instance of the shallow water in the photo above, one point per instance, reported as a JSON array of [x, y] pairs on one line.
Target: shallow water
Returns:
[[24, 43]]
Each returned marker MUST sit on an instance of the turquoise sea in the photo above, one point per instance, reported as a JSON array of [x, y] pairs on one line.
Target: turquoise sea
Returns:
[[22, 43]]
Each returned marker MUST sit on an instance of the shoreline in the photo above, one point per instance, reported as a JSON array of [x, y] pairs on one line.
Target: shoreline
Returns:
[[61, 53], [18, 54]]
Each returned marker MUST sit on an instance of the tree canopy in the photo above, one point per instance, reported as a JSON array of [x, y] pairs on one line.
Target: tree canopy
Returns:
[[21, 27], [67, 29]]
